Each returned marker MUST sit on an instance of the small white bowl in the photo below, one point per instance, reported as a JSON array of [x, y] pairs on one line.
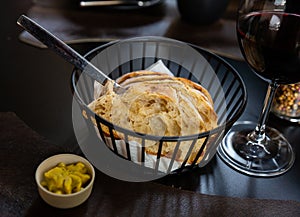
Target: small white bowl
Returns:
[[63, 200]]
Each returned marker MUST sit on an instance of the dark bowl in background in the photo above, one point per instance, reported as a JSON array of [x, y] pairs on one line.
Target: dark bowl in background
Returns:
[[202, 12]]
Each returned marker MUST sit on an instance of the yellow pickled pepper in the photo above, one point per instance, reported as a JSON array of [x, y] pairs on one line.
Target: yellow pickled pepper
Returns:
[[66, 179]]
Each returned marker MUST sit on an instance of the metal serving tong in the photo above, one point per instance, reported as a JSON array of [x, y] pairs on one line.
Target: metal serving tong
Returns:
[[65, 51]]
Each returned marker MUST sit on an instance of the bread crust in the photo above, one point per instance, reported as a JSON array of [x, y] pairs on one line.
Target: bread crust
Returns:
[[160, 105]]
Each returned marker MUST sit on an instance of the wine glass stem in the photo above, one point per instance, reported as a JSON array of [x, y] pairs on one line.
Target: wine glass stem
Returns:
[[258, 134]]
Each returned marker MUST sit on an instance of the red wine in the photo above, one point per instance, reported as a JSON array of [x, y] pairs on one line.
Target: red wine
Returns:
[[270, 43]]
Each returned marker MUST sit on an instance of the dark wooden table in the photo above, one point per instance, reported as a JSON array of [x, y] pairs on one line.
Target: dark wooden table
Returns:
[[35, 85]]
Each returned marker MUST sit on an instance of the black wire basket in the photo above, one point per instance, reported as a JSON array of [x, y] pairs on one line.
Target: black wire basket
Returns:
[[183, 60]]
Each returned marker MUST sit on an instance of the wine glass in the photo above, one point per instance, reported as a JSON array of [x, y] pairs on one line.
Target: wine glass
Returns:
[[269, 37]]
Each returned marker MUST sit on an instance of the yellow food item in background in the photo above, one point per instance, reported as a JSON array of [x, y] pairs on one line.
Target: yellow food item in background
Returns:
[[66, 179]]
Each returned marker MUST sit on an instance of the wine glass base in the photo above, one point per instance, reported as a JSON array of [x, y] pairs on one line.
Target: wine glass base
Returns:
[[251, 158]]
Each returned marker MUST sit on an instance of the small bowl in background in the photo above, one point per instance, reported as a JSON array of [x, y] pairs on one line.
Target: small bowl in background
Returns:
[[63, 200], [202, 12]]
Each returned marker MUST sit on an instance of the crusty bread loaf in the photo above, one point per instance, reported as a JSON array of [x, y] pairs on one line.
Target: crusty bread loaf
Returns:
[[160, 105]]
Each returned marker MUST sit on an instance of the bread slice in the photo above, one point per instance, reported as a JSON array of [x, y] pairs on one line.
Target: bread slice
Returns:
[[160, 105]]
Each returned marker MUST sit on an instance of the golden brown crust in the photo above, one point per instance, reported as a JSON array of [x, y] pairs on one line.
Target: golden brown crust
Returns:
[[160, 105], [135, 74]]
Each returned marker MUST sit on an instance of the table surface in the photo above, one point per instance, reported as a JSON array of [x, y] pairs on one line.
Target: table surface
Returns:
[[35, 84]]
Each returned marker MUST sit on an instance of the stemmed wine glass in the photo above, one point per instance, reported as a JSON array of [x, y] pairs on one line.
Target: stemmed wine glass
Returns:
[[269, 37]]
